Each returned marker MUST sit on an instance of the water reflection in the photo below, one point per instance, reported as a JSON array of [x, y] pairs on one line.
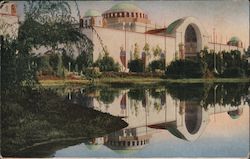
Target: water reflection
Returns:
[[184, 110]]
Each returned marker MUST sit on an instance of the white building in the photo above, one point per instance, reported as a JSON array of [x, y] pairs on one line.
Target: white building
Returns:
[[9, 22], [125, 26]]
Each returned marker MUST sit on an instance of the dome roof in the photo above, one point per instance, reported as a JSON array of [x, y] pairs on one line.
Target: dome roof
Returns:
[[124, 7], [92, 13], [234, 39]]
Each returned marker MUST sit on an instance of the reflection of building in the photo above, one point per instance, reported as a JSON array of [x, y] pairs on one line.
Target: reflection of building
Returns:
[[8, 19], [95, 143], [128, 140], [127, 26]]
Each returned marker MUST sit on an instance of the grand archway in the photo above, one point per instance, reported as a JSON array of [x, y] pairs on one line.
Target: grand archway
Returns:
[[190, 42], [190, 36]]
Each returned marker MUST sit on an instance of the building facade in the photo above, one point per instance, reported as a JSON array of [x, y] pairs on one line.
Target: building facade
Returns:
[[126, 27], [9, 21]]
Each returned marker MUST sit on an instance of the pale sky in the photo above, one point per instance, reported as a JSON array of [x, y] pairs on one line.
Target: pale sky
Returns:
[[228, 17]]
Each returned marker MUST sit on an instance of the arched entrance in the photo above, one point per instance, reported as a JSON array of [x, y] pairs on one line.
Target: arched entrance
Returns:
[[191, 40]]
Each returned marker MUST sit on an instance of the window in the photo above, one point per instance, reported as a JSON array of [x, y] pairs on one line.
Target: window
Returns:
[[127, 14], [136, 15], [110, 15], [128, 143], [123, 14], [13, 9], [133, 143], [137, 143], [132, 14], [140, 15]]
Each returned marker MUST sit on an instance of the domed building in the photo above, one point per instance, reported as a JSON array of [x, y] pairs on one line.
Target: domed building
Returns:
[[125, 15], [91, 18], [126, 27], [235, 41]]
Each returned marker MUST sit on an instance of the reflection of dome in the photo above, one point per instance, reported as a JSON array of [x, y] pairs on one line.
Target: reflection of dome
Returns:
[[124, 7], [93, 147], [95, 143], [92, 13], [236, 113], [128, 151]]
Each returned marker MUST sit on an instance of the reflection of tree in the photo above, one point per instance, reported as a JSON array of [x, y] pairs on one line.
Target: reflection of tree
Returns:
[[41, 116], [107, 96], [137, 94], [210, 94]]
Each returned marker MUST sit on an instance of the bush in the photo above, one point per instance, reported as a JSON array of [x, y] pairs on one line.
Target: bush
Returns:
[[91, 73], [136, 65], [233, 72], [184, 69], [106, 64], [157, 64]]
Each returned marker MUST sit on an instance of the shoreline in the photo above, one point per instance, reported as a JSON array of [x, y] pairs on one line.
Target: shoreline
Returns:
[[137, 80]]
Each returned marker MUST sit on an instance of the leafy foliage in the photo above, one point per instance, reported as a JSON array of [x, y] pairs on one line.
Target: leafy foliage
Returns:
[[157, 64], [184, 69], [136, 65], [107, 63]]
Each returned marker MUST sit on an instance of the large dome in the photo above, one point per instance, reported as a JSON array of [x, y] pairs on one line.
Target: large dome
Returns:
[[124, 7], [92, 13]]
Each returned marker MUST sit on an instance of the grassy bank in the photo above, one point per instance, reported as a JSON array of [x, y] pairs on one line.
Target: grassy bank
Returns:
[[36, 118], [140, 80]]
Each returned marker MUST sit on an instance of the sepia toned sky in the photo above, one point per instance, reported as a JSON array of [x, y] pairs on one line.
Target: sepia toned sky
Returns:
[[228, 17]]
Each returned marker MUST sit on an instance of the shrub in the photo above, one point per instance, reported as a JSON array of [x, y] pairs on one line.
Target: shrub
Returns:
[[91, 73], [136, 65], [233, 72], [106, 64], [184, 69], [157, 64]]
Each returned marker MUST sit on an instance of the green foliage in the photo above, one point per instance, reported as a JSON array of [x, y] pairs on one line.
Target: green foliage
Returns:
[[157, 51], [184, 69], [157, 64], [107, 63], [137, 94], [107, 96], [233, 72], [136, 65], [91, 73]]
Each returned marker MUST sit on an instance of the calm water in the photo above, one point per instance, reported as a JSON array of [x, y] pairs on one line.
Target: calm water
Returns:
[[171, 120], [168, 121]]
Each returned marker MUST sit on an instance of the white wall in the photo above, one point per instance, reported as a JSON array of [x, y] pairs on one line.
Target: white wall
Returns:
[[115, 39]]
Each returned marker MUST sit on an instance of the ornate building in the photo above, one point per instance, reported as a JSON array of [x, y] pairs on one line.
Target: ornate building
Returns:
[[125, 26]]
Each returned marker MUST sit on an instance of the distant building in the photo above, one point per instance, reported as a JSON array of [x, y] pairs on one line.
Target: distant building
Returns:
[[8, 19], [125, 26]]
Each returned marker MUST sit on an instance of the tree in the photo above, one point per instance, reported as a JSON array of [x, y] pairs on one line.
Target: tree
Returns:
[[157, 51], [184, 69], [107, 63], [136, 65], [157, 64]]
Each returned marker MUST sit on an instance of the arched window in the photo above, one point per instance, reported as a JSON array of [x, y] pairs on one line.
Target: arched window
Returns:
[[132, 14], [13, 9], [127, 14], [123, 14], [136, 15]]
